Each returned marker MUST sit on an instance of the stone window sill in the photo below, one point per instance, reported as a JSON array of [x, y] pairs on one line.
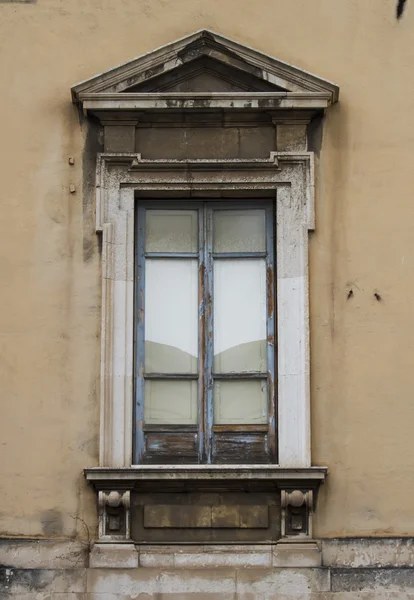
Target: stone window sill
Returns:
[[129, 478]]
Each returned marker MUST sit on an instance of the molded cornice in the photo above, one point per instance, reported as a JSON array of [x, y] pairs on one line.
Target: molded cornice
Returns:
[[285, 83]]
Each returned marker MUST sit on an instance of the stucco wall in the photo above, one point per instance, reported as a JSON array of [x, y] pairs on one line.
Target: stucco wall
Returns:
[[362, 348]]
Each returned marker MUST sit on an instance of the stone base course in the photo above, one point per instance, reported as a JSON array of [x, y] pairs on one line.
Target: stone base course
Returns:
[[207, 584], [351, 570]]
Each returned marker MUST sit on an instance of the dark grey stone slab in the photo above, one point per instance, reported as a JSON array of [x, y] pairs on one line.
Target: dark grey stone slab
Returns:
[[369, 579]]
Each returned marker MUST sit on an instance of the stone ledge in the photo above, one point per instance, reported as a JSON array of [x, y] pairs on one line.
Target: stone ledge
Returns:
[[256, 583], [368, 579], [58, 581], [260, 583], [350, 553], [368, 552], [294, 555], [128, 556], [97, 103], [43, 554], [105, 478], [200, 556], [113, 556]]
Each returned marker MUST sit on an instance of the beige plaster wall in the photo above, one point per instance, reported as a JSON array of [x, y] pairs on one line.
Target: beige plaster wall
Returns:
[[362, 348]]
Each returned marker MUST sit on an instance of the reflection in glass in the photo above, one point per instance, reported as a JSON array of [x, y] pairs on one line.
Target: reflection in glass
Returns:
[[171, 230], [239, 231], [171, 315], [242, 402], [170, 402], [240, 315]]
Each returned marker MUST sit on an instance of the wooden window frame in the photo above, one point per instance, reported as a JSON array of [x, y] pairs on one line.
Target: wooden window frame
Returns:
[[244, 443]]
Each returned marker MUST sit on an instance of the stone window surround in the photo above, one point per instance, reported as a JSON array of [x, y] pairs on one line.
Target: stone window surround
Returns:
[[119, 178], [122, 175]]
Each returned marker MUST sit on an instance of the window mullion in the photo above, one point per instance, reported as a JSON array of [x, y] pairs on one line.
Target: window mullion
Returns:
[[270, 327], [201, 334], [208, 338], [139, 336]]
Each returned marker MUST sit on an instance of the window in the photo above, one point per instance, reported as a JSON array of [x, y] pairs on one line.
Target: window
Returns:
[[204, 336]]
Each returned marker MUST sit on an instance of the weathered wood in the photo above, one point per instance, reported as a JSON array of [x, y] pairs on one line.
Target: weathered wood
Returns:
[[209, 349], [202, 333], [240, 428], [171, 448], [139, 336], [271, 332], [242, 443], [239, 448], [169, 428]]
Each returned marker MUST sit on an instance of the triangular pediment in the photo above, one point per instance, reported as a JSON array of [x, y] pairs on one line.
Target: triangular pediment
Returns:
[[204, 62], [206, 75]]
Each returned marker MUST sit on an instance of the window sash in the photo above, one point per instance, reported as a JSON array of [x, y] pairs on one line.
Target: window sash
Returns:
[[206, 376]]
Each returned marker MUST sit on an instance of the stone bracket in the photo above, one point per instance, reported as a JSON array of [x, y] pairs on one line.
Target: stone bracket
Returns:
[[114, 515], [296, 515]]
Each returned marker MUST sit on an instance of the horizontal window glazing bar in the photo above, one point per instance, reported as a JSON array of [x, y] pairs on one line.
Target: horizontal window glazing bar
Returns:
[[170, 428], [240, 375], [222, 255], [192, 376], [241, 428], [171, 255]]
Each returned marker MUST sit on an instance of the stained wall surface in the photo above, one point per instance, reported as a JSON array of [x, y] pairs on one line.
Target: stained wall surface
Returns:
[[361, 254]]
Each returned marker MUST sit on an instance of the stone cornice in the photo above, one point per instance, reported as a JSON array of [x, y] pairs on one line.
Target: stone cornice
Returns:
[[206, 174], [196, 101], [206, 477], [281, 75]]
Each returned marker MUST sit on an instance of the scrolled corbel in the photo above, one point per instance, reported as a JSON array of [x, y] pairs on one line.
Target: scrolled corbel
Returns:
[[114, 515], [297, 507]]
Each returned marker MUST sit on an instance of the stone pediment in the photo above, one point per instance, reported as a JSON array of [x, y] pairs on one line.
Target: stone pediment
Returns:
[[204, 65]]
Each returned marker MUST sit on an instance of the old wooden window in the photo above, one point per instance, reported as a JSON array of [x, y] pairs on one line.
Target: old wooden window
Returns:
[[205, 364]]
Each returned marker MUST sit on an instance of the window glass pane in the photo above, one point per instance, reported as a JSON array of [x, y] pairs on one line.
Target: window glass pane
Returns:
[[171, 231], [240, 402], [171, 315], [170, 402], [239, 230], [240, 315]]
